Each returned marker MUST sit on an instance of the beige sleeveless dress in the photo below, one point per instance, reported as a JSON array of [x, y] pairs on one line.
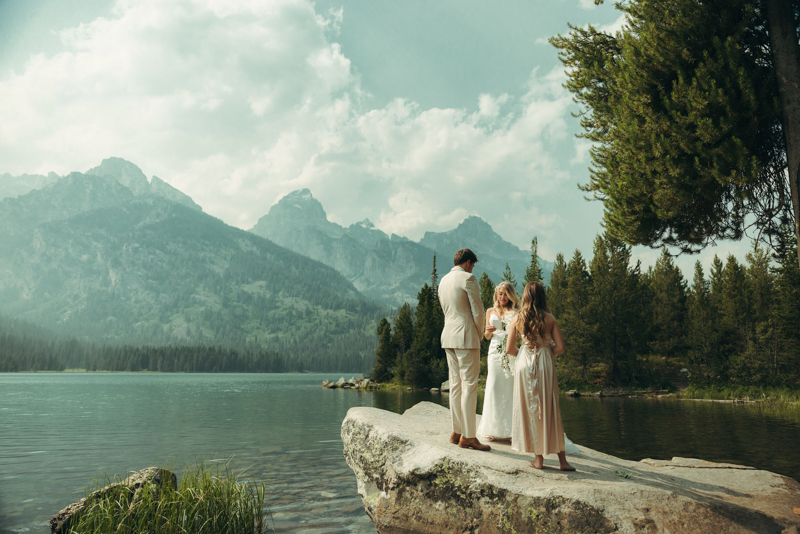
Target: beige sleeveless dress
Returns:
[[536, 419]]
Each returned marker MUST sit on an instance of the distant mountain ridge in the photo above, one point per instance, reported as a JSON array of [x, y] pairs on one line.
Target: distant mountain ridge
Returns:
[[109, 256], [388, 269]]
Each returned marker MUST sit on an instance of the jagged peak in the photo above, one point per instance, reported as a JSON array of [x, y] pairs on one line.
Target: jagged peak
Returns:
[[366, 223], [473, 221]]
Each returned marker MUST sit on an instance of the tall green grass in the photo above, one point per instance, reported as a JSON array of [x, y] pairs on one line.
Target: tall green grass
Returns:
[[207, 500]]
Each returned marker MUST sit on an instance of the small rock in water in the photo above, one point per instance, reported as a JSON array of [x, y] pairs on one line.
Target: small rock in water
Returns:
[[434, 390], [572, 393], [445, 386], [341, 382]]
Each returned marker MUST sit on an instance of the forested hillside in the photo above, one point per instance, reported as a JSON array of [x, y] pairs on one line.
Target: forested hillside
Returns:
[[91, 258]]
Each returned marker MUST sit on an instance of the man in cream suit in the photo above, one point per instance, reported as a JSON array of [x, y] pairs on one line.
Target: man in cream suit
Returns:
[[460, 297]]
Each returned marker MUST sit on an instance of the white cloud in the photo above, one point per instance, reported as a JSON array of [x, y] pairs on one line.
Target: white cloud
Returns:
[[586, 4]]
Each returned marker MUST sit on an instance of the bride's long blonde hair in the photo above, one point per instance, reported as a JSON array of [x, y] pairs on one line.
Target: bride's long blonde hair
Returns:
[[530, 319], [513, 299]]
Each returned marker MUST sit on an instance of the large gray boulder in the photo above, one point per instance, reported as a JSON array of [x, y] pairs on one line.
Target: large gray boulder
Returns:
[[411, 479]]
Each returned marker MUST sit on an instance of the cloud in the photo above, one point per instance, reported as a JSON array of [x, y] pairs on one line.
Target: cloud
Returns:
[[586, 4], [240, 102]]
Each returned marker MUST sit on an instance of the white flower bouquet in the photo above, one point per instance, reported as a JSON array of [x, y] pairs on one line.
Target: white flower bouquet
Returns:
[[505, 357]]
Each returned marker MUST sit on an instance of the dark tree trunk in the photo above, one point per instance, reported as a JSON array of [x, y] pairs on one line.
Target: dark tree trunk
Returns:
[[786, 55]]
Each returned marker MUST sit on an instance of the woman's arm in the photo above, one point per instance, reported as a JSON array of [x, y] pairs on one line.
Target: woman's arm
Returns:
[[511, 340], [559, 340], [489, 331]]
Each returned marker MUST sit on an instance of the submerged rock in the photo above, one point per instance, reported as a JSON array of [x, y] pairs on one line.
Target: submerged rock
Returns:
[[411, 479], [153, 476]]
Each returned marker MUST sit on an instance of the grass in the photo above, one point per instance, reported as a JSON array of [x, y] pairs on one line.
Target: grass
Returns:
[[205, 501], [768, 395]]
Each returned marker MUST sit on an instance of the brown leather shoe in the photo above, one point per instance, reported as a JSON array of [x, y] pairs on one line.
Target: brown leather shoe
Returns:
[[473, 443], [454, 438]]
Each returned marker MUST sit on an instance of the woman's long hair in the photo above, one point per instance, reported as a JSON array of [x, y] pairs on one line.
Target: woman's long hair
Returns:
[[530, 318], [511, 293]]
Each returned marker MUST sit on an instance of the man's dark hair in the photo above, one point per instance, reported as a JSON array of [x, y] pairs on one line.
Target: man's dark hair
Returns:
[[464, 255]]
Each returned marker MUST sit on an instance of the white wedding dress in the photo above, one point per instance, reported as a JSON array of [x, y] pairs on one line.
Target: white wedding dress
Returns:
[[498, 399]]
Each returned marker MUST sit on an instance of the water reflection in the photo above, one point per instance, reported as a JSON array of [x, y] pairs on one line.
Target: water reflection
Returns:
[[57, 431]]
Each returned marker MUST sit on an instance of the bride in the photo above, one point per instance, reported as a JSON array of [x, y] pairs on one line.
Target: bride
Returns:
[[498, 402]]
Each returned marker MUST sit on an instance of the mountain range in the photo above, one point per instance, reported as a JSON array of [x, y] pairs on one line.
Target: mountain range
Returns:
[[389, 269], [109, 256]]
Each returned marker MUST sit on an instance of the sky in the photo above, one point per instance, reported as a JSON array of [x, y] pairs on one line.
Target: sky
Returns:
[[414, 114]]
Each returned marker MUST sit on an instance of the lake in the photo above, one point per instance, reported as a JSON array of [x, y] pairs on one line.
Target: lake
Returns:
[[59, 431]]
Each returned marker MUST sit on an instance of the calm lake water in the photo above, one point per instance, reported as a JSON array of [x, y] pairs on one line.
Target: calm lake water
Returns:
[[60, 431]]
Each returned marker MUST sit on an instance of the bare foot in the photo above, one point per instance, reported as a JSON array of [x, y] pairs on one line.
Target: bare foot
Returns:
[[489, 438], [562, 459], [538, 463]]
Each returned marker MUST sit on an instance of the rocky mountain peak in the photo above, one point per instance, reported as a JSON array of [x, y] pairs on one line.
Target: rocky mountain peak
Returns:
[[124, 172], [366, 223], [300, 203]]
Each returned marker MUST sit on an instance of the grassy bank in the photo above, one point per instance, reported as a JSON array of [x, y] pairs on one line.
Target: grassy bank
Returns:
[[205, 501], [743, 393]]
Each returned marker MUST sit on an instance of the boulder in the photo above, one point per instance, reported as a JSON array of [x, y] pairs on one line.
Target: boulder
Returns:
[[572, 393], [434, 390], [341, 382], [445, 386], [413, 480], [153, 476], [326, 383]]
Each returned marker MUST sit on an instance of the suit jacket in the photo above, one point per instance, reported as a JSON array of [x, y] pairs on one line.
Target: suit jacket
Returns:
[[460, 297]]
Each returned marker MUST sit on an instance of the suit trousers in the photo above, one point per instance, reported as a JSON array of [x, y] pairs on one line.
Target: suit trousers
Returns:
[[464, 366]]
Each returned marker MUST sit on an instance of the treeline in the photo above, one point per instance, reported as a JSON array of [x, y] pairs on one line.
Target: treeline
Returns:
[[25, 348], [626, 327], [410, 351]]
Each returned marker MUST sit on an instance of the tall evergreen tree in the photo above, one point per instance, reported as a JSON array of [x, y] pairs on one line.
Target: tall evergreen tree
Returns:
[[694, 113], [402, 339], [385, 355], [668, 290], [425, 362], [534, 271], [575, 320], [615, 308], [558, 285], [787, 308], [508, 276], [701, 335], [435, 278]]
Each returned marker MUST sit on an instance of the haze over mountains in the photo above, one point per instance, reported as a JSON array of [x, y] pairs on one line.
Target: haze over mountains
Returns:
[[110, 256], [387, 269]]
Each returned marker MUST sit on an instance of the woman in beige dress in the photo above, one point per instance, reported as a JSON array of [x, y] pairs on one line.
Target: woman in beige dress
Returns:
[[536, 424]]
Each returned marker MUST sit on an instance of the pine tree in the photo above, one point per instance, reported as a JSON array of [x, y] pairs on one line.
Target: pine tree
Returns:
[[509, 277], [668, 290], [435, 279], [402, 339], [787, 308], [487, 298], [701, 330], [534, 271], [487, 291], [575, 319], [425, 361], [692, 111], [385, 355], [616, 308], [558, 285]]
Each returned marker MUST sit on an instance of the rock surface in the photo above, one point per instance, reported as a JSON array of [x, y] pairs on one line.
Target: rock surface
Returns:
[[411, 479], [155, 476]]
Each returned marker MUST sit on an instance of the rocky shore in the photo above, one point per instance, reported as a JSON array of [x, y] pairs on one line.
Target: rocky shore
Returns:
[[353, 383], [411, 479]]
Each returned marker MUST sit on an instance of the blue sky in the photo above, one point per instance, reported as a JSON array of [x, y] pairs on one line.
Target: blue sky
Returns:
[[413, 114]]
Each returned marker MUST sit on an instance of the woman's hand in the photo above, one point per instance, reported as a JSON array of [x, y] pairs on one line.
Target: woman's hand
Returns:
[[489, 330]]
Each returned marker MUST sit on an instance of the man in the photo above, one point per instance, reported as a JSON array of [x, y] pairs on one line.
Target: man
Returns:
[[460, 297]]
